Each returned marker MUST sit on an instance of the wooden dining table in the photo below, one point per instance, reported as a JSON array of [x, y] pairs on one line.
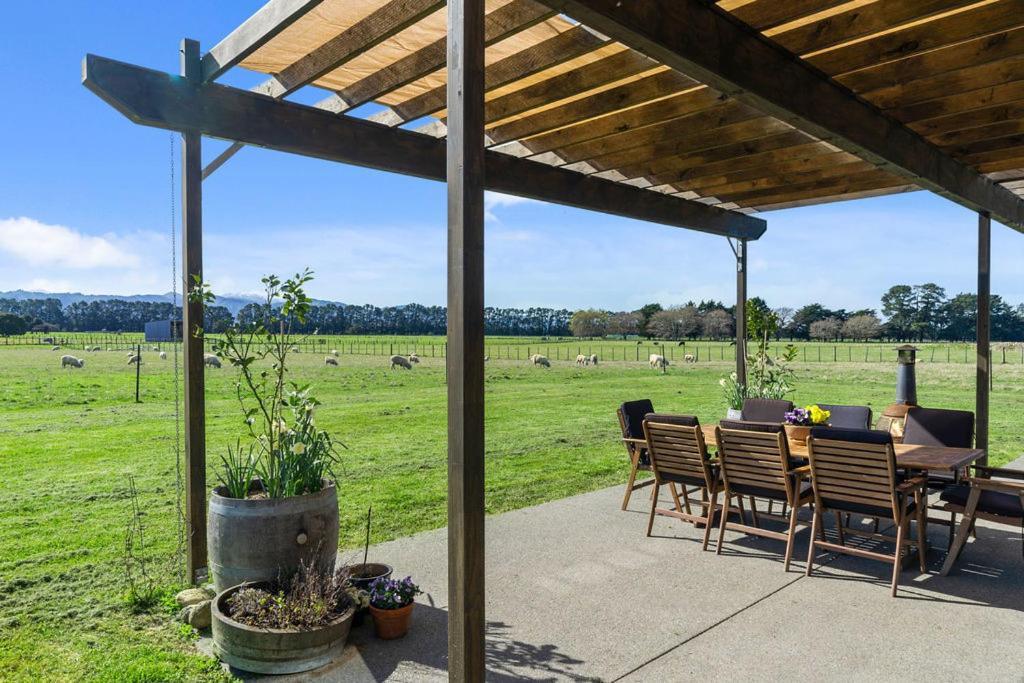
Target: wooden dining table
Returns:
[[909, 456]]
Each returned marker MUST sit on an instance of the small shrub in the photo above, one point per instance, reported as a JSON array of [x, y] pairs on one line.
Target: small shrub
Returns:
[[308, 600]]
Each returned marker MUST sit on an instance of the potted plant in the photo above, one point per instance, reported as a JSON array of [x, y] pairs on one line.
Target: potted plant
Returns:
[[276, 505], [800, 420], [391, 603], [285, 627], [734, 392]]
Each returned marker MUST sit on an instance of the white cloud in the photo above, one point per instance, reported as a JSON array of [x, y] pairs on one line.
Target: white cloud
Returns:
[[41, 244], [494, 200]]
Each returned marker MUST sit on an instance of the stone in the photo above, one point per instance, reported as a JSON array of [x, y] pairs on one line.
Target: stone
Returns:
[[191, 596], [198, 616]]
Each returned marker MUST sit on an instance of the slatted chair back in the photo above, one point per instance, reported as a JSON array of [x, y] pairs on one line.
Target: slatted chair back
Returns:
[[677, 449], [939, 427], [755, 459], [854, 471], [765, 409]]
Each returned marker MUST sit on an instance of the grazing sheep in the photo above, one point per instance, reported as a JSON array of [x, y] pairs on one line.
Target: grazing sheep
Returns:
[[211, 360], [55, 348], [294, 349], [486, 358], [131, 353], [133, 359], [330, 360], [658, 361], [689, 358], [593, 359], [538, 359], [413, 358], [400, 361], [334, 352], [163, 355], [66, 361], [582, 360], [155, 347]]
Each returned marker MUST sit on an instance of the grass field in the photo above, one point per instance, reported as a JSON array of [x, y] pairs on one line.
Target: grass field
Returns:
[[70, 438]]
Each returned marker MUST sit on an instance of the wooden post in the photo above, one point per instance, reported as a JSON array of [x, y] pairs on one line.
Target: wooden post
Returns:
[[741, 311], [138, 370], [465, 363], [984, 350], [192, 320]]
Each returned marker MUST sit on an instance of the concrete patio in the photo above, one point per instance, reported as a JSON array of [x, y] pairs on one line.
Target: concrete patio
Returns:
[[576, 592]]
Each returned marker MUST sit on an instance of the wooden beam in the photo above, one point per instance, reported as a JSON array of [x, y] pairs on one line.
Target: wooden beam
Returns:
[[741, 311], [465, 358], [983, 374], [364, 35], [157, 99], [192, 323], [705, 42], [255, 32]]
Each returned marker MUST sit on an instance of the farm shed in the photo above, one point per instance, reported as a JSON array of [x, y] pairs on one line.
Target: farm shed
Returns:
[[163, 330], [686, 113]]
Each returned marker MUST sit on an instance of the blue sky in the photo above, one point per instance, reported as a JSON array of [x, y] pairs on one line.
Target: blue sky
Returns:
[[85, 205]]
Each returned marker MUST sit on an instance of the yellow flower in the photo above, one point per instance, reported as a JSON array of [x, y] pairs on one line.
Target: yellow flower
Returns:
[[299, 448], [818, 415]]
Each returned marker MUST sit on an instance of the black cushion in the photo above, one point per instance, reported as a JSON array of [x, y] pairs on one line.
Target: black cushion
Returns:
[[633, 413], [871, 436], [750, 426], [939, 427], [848, 417], [773, 494], [689, 481], [991, 502], [765, 409], [680, 420], [862, 508]]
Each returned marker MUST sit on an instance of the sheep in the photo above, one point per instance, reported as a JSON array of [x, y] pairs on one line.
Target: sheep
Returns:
[[211, 360], [55, 348], [163, 355], [413, 358], [538, 359], [330, 360], [294, 349], [689, 358], [487, 358], [155, 347], [334, 352], [582, 360], [400, 361], [658, 361], [71, 361], [593, 359], [133, 359]]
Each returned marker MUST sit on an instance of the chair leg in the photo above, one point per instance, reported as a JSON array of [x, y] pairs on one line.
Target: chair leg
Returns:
[[815, 521], [743, 513], [897, 564], [654, 504], [709, 519], [753, 512], [839, 528], [790, 536], [675, 497], [922, 532], [629, 486], [686, 502], [966, 523], [952, 529], [725, 518]]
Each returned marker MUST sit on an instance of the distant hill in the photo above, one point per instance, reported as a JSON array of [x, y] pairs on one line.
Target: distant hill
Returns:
[[233, 302]]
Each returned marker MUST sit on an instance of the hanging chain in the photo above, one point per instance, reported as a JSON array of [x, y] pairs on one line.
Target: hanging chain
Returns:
[[177, 389]]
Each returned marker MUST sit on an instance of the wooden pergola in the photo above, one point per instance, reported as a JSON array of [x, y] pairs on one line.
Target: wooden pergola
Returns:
[[687, 113]]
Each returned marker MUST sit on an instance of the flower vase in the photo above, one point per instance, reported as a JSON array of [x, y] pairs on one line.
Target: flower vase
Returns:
[[734, 414], [392, 623], [798, 434]]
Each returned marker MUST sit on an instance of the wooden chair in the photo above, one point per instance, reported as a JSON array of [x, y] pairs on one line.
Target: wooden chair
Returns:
[[984, 497], [631, 422], [765, 410], [755, 462], [680, 456], [854, 471]]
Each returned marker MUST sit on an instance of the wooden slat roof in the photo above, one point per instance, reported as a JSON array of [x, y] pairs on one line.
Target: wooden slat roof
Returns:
[[558, 92]]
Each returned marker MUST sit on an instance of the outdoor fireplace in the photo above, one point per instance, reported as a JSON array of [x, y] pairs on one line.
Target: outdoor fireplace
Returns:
[[894, 417]]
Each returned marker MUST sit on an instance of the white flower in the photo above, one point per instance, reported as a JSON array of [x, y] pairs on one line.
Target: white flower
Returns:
[[721, 382], [250, 421], [299, 448]]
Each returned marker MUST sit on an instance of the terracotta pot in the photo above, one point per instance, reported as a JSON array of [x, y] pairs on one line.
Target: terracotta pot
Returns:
[[798, 433], [392, 623]]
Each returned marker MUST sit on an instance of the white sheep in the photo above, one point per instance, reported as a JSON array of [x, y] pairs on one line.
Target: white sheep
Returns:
[[66, 361], [487, 358], [334, 352], [658, 361], [689, 358], [593, 359], [211, 360], [400, 361], [413, 358], [330, 360], [538, 359], [581, 359], [55, 348], [294, 349], [133, 359], [163, 355], [155, 347]]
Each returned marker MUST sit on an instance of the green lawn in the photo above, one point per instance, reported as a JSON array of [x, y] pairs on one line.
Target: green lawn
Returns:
[[69, 438]]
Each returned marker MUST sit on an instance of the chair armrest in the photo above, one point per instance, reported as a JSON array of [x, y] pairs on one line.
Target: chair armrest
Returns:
[[638, 442], [802, 470], [914, 482], [986, 471], [997, 485]]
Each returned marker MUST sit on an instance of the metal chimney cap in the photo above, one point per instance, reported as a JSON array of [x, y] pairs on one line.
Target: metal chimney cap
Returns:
[[906, 354]]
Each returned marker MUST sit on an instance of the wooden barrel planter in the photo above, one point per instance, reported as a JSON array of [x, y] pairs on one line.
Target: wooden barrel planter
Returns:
[[264, 539], [275, 651]]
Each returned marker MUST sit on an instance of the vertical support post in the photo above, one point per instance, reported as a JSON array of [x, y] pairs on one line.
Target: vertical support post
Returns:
[[465, 357], [192, 321], [984, 348], [741, 311]]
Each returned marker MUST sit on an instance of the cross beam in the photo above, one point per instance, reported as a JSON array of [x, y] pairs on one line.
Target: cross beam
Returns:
[[700, 40], [154, 98]]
